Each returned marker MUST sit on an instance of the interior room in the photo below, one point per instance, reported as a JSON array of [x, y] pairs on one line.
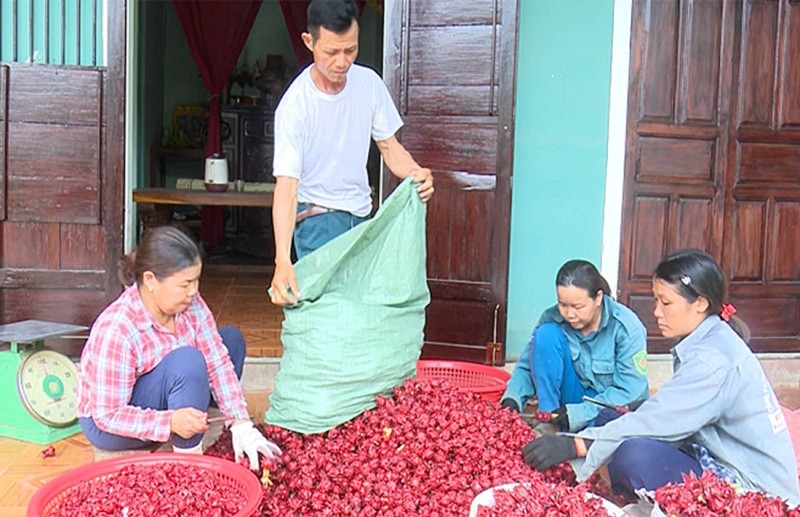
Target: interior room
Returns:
[[172, 119]]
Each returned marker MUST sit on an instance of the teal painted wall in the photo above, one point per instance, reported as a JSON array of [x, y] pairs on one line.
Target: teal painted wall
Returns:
[[58, 22], [563, 80]]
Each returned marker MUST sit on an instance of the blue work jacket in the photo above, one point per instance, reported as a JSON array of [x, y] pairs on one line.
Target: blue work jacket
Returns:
[[718, 397], [611, 361]]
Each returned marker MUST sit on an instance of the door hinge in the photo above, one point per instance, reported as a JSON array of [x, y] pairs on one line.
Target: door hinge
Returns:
[[493, 348]]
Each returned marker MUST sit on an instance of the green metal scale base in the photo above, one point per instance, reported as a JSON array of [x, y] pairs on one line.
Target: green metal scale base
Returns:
[[38, 386]]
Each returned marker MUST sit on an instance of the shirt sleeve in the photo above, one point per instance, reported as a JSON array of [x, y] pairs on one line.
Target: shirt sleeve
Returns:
[[686, 403], [114, 371], [224, 384], [629, 379], [386, 120], [287, 157], [520, 386]]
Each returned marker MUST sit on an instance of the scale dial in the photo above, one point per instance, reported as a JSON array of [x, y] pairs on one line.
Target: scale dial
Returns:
[[47, 383]]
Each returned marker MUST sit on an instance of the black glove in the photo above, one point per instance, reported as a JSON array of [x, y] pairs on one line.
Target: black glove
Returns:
[[542, 453], [510, 404], [560, 418]]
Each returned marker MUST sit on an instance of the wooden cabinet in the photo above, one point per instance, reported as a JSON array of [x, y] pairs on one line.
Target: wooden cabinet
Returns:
[[247, 134]]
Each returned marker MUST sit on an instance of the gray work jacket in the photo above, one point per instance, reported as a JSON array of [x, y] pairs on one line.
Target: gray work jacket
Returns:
[[718, 397]]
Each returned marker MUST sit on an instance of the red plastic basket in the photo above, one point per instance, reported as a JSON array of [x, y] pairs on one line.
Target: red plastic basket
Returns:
[[486, 381], [44, 501]]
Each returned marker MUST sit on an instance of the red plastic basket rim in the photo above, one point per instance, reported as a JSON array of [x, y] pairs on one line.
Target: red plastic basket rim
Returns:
[[252, 488], [497, 377], [492, 371]]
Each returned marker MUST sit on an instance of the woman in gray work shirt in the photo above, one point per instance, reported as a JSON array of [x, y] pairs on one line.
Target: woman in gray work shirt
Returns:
[[718, 411]]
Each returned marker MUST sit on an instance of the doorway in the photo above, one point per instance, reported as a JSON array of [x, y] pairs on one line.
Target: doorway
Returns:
[[168, 134]]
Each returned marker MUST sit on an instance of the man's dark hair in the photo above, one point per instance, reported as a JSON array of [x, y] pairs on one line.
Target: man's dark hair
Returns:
[[334, 15]]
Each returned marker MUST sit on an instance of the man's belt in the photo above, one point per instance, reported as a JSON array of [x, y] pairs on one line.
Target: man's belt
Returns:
[[311, 211]]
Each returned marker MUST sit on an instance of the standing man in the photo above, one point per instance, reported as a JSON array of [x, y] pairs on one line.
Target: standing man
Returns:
[[323, 127]]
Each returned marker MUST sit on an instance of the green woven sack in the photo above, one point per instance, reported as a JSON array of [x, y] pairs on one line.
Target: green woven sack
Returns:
[[357, 330]]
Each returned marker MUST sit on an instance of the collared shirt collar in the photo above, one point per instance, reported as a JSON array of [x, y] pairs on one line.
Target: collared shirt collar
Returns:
[[141, 317], [683, 346], [607, 301]]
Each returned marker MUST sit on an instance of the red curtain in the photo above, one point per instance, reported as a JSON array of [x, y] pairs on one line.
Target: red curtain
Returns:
[[215, 31], [294, 14]]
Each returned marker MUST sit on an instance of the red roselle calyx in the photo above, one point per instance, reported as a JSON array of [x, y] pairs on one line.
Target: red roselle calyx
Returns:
[[708, 495], [153, 490], [427, 450], [48, 452], [542, 499]]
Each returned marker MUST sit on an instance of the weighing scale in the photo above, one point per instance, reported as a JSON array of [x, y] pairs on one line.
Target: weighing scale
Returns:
[[38, 386]]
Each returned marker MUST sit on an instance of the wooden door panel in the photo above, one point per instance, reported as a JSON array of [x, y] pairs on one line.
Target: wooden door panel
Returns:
[[764, 174], [451, 69], [57, 261], [450, 144], [445, 99], [694, 225], [465, 253], [790, 79], [748, 237], [758, 63], [82, 247], [785, 252], [30, 245], [54, 141], [676, 160], [476, 45], [769, 164], [53, 173], [660, 58], [720, 172], [700, 82], [56, 95], [66, 304], [650, 218], [448, 12], [473, 317]]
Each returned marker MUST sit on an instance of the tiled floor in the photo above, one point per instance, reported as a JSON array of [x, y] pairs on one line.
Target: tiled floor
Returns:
[[240, 299]]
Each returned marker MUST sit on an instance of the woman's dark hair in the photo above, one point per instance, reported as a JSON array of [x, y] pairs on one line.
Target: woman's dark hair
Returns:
[[334, 15], [694, 273], [164, 250], [583, 274]]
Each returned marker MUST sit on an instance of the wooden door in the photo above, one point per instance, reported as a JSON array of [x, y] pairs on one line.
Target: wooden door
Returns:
[[451, 70], [61, 185], [713, 155]]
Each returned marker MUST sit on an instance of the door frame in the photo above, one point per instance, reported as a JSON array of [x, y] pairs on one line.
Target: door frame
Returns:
[[113, 182], [617, 136]]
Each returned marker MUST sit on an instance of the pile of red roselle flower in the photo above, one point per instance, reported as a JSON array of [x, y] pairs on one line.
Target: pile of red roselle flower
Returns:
[[709, 496], [165, 490], [541, 499], [428, 450]]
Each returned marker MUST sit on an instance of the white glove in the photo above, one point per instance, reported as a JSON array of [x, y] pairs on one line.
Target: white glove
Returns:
[[247, 440]]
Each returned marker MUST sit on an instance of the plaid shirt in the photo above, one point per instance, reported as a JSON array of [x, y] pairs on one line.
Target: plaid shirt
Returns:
[[125, 343]]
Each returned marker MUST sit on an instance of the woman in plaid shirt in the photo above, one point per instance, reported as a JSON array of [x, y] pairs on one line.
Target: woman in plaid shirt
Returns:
[[154, 357]]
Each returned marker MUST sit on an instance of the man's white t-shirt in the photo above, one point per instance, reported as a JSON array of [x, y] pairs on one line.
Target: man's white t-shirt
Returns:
[[323, 140]]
